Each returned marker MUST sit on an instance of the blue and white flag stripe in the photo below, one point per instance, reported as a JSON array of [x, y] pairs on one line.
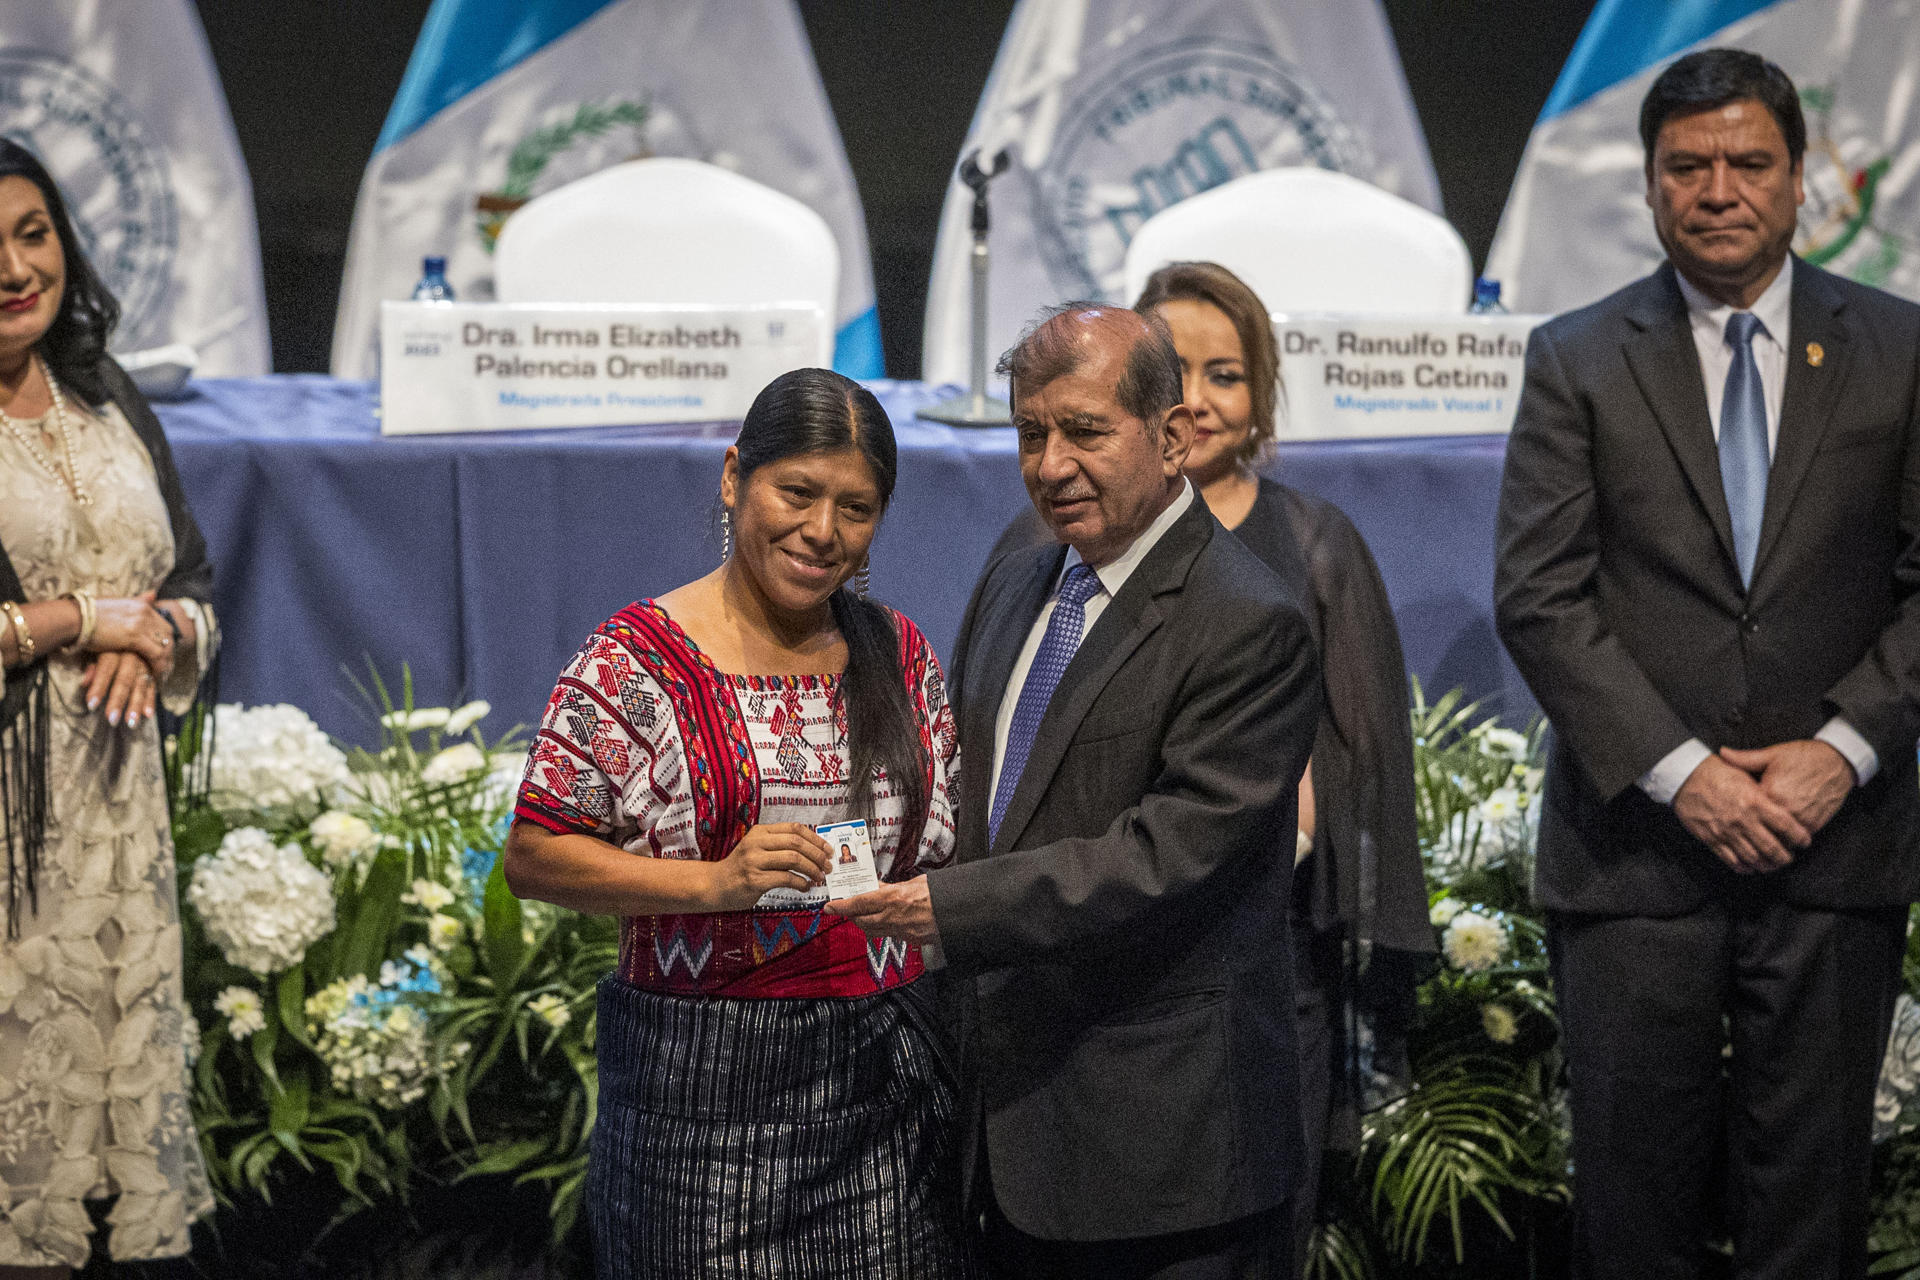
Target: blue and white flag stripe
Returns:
[[1576, 225], [561, 88]]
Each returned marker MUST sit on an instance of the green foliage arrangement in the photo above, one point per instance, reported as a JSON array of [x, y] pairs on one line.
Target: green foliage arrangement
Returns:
[[374, 1005], [402, 1026]]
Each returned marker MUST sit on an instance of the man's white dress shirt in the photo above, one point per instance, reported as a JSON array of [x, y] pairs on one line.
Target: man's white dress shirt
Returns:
[[1113, 575], [1709, 323]]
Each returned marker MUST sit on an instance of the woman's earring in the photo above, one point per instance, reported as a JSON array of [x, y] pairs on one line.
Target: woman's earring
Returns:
[[726, 535], [863, 579]]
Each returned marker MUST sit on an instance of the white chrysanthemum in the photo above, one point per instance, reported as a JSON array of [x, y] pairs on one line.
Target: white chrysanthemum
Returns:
[[244, 1012], [1502, 807], [1442, 912], [1474, 942], [342, 838], [1495, 741], [459, 761], [551, 1009], [430, 894], [271, 757], [418, 718], [1499, 1023], [443, 931], [464, 718], [263, 904]]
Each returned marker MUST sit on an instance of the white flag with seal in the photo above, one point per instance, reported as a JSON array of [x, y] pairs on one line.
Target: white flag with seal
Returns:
[[120, 100], [1112, 110], [504, 100], [1576, 226]]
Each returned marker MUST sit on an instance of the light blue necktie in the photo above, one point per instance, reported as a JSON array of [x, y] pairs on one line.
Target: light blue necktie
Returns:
[[1743, 441], [1057, 648]]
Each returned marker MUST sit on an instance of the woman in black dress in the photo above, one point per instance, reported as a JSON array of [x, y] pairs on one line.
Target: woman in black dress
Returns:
[[1360, 929]]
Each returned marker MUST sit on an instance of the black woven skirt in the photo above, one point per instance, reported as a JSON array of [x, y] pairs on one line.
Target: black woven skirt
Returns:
[[760, 1138]]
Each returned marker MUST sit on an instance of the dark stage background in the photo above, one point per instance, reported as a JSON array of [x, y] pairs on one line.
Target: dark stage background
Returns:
[[309, 86]]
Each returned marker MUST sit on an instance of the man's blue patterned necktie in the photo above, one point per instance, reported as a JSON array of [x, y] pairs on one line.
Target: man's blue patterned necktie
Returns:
[[1743, 441], [1057, 648]]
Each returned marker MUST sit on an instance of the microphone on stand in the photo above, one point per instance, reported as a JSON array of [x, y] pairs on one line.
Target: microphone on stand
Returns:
[[976, 408]]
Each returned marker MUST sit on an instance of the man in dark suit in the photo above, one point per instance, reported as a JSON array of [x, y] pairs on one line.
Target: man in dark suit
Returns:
[[1707, 572], [1118, 911]]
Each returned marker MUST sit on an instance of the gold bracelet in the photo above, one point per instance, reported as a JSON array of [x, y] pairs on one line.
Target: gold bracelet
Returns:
[[22, 638], [89, 618]]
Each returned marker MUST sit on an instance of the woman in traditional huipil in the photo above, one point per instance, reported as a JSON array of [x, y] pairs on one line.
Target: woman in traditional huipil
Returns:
[[103, 616], [774, 1096], [1361, 935]]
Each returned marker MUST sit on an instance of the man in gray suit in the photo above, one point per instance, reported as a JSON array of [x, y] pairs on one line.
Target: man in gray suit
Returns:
[[1709, 559], [1135, 711]]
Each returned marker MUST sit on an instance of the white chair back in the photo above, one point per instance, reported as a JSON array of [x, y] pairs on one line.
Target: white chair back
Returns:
[[670, 230], [1309, 239]]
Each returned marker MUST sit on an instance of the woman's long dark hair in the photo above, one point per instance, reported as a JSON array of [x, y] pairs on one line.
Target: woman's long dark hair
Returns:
[[88, 310], [819, 411]]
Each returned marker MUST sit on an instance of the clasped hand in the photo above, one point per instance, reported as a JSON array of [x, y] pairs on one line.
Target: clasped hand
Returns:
[[133, 652], [1757, 809]]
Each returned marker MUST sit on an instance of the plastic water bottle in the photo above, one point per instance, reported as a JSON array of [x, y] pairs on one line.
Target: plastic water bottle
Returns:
[[1486, 298], [433, 286]]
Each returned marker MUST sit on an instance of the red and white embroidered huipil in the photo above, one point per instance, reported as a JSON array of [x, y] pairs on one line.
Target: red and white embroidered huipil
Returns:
[[648, 746]]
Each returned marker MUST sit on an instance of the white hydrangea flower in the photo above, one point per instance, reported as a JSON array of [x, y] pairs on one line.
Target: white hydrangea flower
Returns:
[[430, 894], [551, 1009], [1474, 942], [418, 718], [244, 1012], [454, 763], [376, 1044], [342, 838], [443, 931], [464, 718], [263, 904], [1442, 912], [272, 757]]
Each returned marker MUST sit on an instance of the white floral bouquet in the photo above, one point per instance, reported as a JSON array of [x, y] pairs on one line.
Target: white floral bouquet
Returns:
[[372, 995]]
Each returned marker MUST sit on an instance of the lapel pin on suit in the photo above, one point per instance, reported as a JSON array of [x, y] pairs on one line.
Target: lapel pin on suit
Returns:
[[1815, 354]]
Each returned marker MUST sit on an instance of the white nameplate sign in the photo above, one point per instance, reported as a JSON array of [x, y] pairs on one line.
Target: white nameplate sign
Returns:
[[495, 366], [1352, 376]]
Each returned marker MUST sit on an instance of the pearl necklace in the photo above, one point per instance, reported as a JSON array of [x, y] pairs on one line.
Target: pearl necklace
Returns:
[[72, 474]]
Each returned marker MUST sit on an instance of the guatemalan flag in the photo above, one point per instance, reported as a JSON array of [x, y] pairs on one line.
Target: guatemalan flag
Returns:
[[504, 100], [1576, 226], [121, 102], [1112, 110]]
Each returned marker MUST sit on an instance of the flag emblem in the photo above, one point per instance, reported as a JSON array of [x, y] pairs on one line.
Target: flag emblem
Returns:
[[78, 124], [1165, 124]]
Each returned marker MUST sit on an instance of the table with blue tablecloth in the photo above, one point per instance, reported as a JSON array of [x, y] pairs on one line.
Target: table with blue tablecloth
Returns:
[[482, 561]]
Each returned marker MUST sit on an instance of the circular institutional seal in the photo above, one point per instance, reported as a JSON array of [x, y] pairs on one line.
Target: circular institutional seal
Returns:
[[113, 177], [1164, 124]]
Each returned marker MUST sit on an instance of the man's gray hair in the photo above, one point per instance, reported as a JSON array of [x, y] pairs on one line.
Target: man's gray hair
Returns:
[[1150, 384]]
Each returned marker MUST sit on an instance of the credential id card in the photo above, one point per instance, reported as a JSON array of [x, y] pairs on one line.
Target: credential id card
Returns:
[[850, 870]]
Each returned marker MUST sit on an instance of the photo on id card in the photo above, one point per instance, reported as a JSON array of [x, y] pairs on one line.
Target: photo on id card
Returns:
[[850, 866]]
